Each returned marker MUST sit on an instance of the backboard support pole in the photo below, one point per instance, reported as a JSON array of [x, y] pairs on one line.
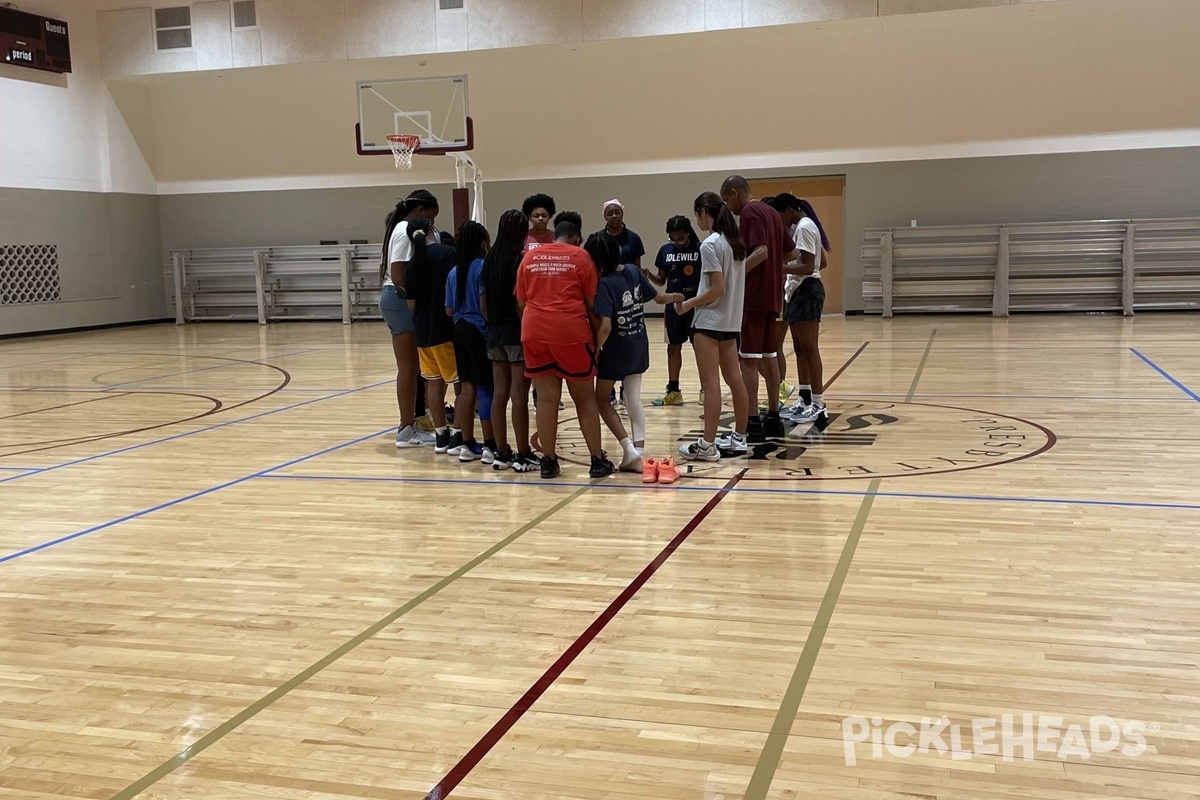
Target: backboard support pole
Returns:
[[467, 171], [462, 207]]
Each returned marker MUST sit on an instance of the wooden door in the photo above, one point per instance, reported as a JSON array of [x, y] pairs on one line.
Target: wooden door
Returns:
[[825, 194]]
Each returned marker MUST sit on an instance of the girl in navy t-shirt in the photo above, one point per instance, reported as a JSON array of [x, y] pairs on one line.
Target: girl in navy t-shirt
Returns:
[[678, 265], [623, 347]]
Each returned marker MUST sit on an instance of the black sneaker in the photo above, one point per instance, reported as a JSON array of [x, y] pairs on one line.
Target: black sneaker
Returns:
[[456, 443], [503, 460], [443, 442], [550, 468], [755, 433], [525, 462], [773, 426], [601, 468]]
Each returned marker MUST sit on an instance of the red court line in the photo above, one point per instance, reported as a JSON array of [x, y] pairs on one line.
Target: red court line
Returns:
[[66, 405], [476, 754], [52, 444], [849, 361], [218, 406]]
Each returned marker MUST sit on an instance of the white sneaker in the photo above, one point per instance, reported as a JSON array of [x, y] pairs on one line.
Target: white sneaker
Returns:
[[732, 443], [812, 414], [698, 451], [794, 411], [409, 436], [489, 457], [631, 463]]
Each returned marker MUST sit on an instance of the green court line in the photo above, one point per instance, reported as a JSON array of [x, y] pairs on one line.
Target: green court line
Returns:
[[227, 727], [912, 390], [772, 752], [781, 728]]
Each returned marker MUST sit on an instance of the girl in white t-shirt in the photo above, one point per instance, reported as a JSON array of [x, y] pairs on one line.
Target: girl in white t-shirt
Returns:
[[393, 305], [718, 320], [804, 302]]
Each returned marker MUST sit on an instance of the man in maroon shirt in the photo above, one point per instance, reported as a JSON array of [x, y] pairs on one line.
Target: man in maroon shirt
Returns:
[[770, 247]]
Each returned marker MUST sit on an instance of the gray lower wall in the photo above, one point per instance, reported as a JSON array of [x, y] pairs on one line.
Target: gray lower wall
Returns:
[[1101, 185], [109, 257], [112, 247]]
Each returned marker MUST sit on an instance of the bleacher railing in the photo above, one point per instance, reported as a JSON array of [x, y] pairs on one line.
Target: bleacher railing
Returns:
[[327, 282], [1101, 265]]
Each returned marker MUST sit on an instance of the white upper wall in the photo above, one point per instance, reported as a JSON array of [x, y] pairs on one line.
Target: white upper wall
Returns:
[[64, 131], [304, 31], [1050, 77]]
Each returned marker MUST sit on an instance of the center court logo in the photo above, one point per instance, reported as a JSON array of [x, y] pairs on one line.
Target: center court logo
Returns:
[[865, 439], [880, 439], [1006, 737]]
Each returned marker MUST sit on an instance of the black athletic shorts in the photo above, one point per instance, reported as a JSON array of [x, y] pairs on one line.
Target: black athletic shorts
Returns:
[[807, 302], [679, 328], [720, 336], [470, 354]]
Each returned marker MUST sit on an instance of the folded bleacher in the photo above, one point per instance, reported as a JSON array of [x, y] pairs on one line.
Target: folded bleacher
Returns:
[[1121, 265]]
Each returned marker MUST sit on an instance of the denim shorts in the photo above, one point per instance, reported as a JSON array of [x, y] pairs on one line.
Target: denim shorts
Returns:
[[393, 304]]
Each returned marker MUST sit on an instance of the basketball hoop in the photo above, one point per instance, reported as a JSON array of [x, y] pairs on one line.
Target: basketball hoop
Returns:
[[403, 146]]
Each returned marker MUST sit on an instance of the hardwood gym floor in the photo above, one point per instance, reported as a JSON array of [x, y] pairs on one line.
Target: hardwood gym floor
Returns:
[[219, 579]]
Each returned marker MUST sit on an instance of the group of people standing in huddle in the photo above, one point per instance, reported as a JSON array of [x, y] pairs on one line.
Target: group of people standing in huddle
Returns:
[[539, 306]]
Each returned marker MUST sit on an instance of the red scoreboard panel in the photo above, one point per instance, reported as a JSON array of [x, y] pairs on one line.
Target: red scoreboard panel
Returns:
[[27, 40]]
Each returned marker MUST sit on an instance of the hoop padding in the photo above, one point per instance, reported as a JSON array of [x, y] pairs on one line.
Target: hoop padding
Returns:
[[403, 146]]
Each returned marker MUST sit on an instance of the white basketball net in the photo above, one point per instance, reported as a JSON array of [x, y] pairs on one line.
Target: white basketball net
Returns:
[[403, 147]]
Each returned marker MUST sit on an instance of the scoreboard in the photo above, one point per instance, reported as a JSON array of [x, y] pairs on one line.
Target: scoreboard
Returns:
[[28, 40]]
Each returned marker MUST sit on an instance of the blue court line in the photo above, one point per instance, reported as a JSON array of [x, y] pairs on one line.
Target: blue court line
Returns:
[[186, 434], [1143, 398], [144, 512], [741, 489], [1167, 375], [910, 346]]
